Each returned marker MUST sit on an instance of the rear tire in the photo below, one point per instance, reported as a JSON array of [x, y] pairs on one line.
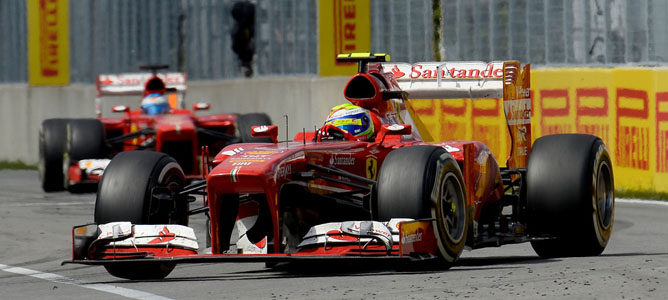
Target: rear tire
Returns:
[[85, 140], [52, 135], [124, 194], [246, 121], [426, 182], [570, 195]]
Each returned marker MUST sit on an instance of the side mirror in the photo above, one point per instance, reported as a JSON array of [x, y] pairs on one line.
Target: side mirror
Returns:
[[120, 108], [393, 129], [265, 131], [201, 106]]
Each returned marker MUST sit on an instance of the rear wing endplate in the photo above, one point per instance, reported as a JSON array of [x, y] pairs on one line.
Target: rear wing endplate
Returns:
[[456, 80]]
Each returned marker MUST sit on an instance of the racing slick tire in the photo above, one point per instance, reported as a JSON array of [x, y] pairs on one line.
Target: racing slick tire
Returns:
[[570, 195], [52, 135], [125, 194], [84, 140], [421, 182], [246, 121]]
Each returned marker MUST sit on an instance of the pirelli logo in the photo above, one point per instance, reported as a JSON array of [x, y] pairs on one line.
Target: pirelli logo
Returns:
[[632, 134], [662, 132]]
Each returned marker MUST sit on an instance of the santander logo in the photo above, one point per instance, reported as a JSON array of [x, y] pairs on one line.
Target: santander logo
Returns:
[[450, 71]]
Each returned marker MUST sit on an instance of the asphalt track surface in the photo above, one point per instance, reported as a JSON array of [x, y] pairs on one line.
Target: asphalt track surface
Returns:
[[35, 237]]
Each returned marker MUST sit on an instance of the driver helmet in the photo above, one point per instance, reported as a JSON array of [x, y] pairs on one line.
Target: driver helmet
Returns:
[[155, 104], [353, 119]]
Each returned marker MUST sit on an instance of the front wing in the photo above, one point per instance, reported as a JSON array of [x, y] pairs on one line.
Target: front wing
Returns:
[[399, 240]]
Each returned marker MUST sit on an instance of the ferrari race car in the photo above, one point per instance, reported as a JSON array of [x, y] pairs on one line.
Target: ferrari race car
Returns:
[[73, 153], [393, 197]]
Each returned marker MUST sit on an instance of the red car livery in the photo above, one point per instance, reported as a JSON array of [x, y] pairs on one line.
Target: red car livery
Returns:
[[75, 152], [393, 197]]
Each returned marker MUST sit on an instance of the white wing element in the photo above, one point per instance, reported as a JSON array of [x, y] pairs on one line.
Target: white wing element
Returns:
[[353, 232], [447, 80], [124, 234]]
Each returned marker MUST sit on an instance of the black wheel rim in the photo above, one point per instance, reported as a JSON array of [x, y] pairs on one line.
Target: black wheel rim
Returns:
[[604, 195], [172, 180], [453, 212]]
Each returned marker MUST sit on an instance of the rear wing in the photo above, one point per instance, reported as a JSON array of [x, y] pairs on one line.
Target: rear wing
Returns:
[[133, 83], [455, 80], [130, 84]]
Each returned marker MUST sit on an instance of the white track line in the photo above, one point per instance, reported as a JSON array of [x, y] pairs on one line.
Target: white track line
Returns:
[[642, 201], [47, 204], [107, 288]]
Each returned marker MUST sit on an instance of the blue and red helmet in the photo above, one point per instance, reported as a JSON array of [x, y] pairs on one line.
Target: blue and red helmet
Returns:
[[155, 104], [353, 119]]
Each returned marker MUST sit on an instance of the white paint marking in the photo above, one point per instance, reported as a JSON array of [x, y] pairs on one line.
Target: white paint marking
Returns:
[[642, 201], [48, 204], [107, 288]]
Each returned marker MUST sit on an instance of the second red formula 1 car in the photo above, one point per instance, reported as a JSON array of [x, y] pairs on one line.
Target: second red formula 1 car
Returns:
[[345, 192], [73, 153]]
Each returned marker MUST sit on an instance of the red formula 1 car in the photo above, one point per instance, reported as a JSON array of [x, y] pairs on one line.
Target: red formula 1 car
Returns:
[[73, 153], [392, 197]]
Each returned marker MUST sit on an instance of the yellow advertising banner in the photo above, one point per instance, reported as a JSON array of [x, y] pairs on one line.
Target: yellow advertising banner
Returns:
[[626, 107], [344, 28], [48, 42]]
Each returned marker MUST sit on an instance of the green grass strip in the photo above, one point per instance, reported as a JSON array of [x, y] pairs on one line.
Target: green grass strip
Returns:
[[16, 165], [641, 194]]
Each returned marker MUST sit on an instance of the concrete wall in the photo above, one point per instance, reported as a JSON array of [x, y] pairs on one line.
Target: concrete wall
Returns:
[[305, 100]]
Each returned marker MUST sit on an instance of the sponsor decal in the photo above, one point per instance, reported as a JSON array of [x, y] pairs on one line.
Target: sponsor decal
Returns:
[[412, 237], [261, 152], [417, 237], [420, 71], [163, 236], [262, 128], [48, 42], [397, 73], [284, 171], [342, 160], [371, 168], [233, 151], [246, 160], [250, 158], [139, 78], [518, 111], [242, 163]]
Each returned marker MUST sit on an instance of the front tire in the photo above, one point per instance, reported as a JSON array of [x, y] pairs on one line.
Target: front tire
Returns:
[[125, 194], [52, 134], [84, 140], [425, 182], [570, 195]]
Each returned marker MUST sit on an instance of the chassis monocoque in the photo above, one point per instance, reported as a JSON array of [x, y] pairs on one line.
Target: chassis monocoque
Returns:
[[73, 153], [394, 198]]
